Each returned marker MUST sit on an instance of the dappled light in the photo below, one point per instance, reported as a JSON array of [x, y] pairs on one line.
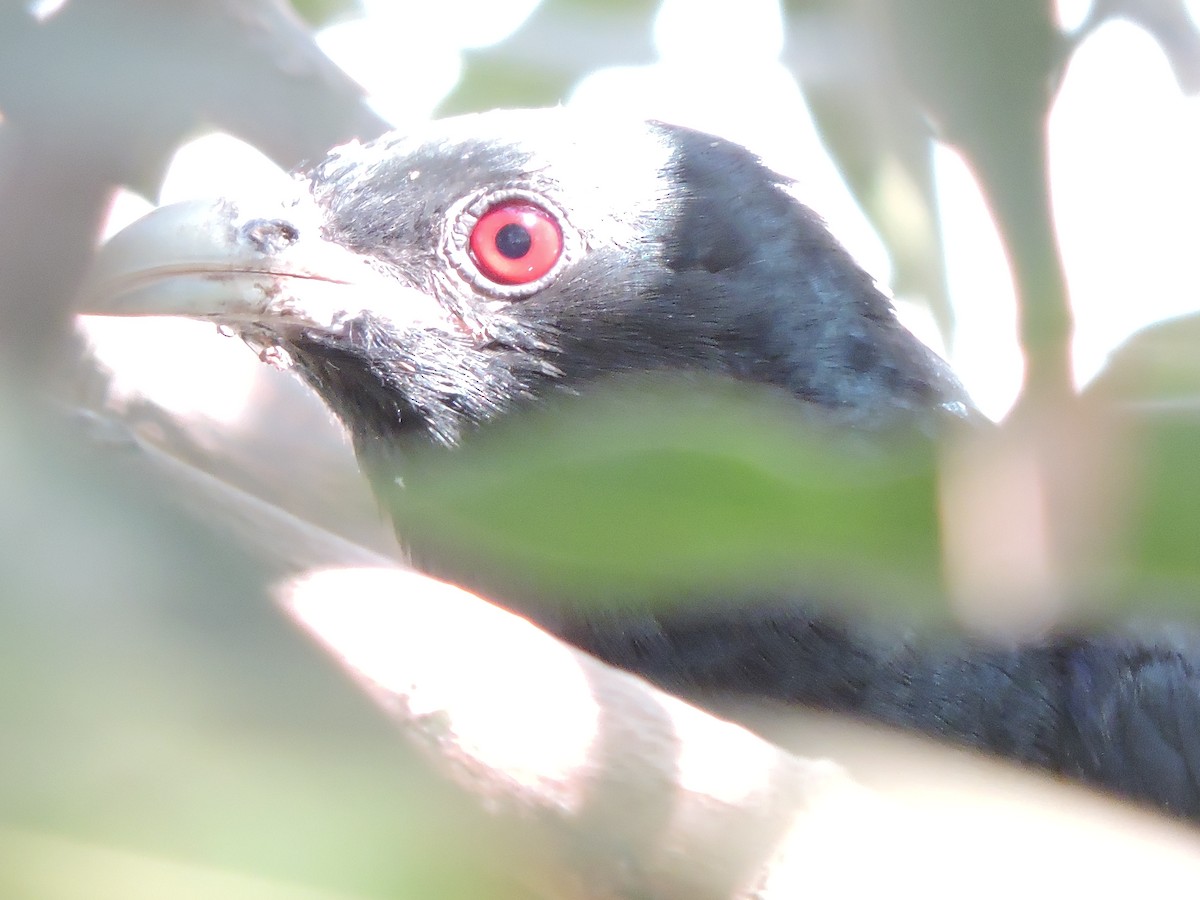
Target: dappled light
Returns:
[[349, 552]]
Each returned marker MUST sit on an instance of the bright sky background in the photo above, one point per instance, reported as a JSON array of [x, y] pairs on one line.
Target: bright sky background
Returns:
[[1124, 149]]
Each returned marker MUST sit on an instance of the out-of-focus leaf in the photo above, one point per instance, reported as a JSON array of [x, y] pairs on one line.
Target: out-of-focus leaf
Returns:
[[120, 84], [155, 706], [1152, 383], [101, 93], [985, 74], [1167, 540], [539, 63], [1163, 540], [977, 67], [673, 490], [1158, 365], [51, 867], [321, 12], [878, 135]]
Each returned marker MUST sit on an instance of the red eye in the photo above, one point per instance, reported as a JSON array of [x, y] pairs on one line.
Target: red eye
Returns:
[[516, 242]]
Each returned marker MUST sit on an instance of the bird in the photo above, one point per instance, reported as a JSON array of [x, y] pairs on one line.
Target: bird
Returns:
[[438, 280]]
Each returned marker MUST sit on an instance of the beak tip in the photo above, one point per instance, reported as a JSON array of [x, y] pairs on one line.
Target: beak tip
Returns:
[[131, 269], [249, 265]]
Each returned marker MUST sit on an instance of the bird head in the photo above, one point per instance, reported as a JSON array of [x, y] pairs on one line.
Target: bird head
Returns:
[[428, 282]]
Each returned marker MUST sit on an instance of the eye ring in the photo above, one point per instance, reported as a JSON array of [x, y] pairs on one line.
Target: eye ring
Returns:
[[515, 242], [475, 228]]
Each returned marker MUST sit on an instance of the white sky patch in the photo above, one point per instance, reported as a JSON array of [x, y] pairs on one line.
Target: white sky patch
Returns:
[[125, 209], [1125, 179], [401, 86], [220, 165], [984, 351], [1071, 14], [750, 98], [745, 32], [473, 23], [45, 9], [183, 366], [215, 165], [407, 86]]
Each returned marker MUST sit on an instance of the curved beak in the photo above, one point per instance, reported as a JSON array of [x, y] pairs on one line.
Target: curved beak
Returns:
[[266, 267]]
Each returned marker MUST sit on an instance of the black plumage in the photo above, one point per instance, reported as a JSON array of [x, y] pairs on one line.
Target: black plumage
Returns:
[[673, 251]]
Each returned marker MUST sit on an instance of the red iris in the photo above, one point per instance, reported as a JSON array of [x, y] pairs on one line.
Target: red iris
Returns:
[[516, 242]]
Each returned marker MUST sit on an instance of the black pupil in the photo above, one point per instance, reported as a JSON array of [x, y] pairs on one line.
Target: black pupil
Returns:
[[513, 240]]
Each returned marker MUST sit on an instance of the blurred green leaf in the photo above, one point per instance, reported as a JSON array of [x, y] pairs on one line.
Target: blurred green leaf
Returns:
[[877, 133], [1162, 538], [985, 74], [491, 83], [677, 490], [978, 68], [154, 706], [319, 13], [560, 43], [1158, 365], [1166, 538], [50, 867], [1152, 383]]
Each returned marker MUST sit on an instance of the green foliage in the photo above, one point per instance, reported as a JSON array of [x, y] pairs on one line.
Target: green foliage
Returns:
[[318, 13], [682, 489], [1151, 386], [163, 732], [1158, 367], [545, 58], [154, 708]]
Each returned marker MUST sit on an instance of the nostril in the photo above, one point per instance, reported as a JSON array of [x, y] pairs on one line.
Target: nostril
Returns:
[[269, 235]]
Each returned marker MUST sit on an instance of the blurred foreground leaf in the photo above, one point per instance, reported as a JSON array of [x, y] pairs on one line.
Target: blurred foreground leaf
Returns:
[[674, 490], [553, 50], [985, 73], [1158, 365], [1151, 385], [158, 715], [1165, 526]]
